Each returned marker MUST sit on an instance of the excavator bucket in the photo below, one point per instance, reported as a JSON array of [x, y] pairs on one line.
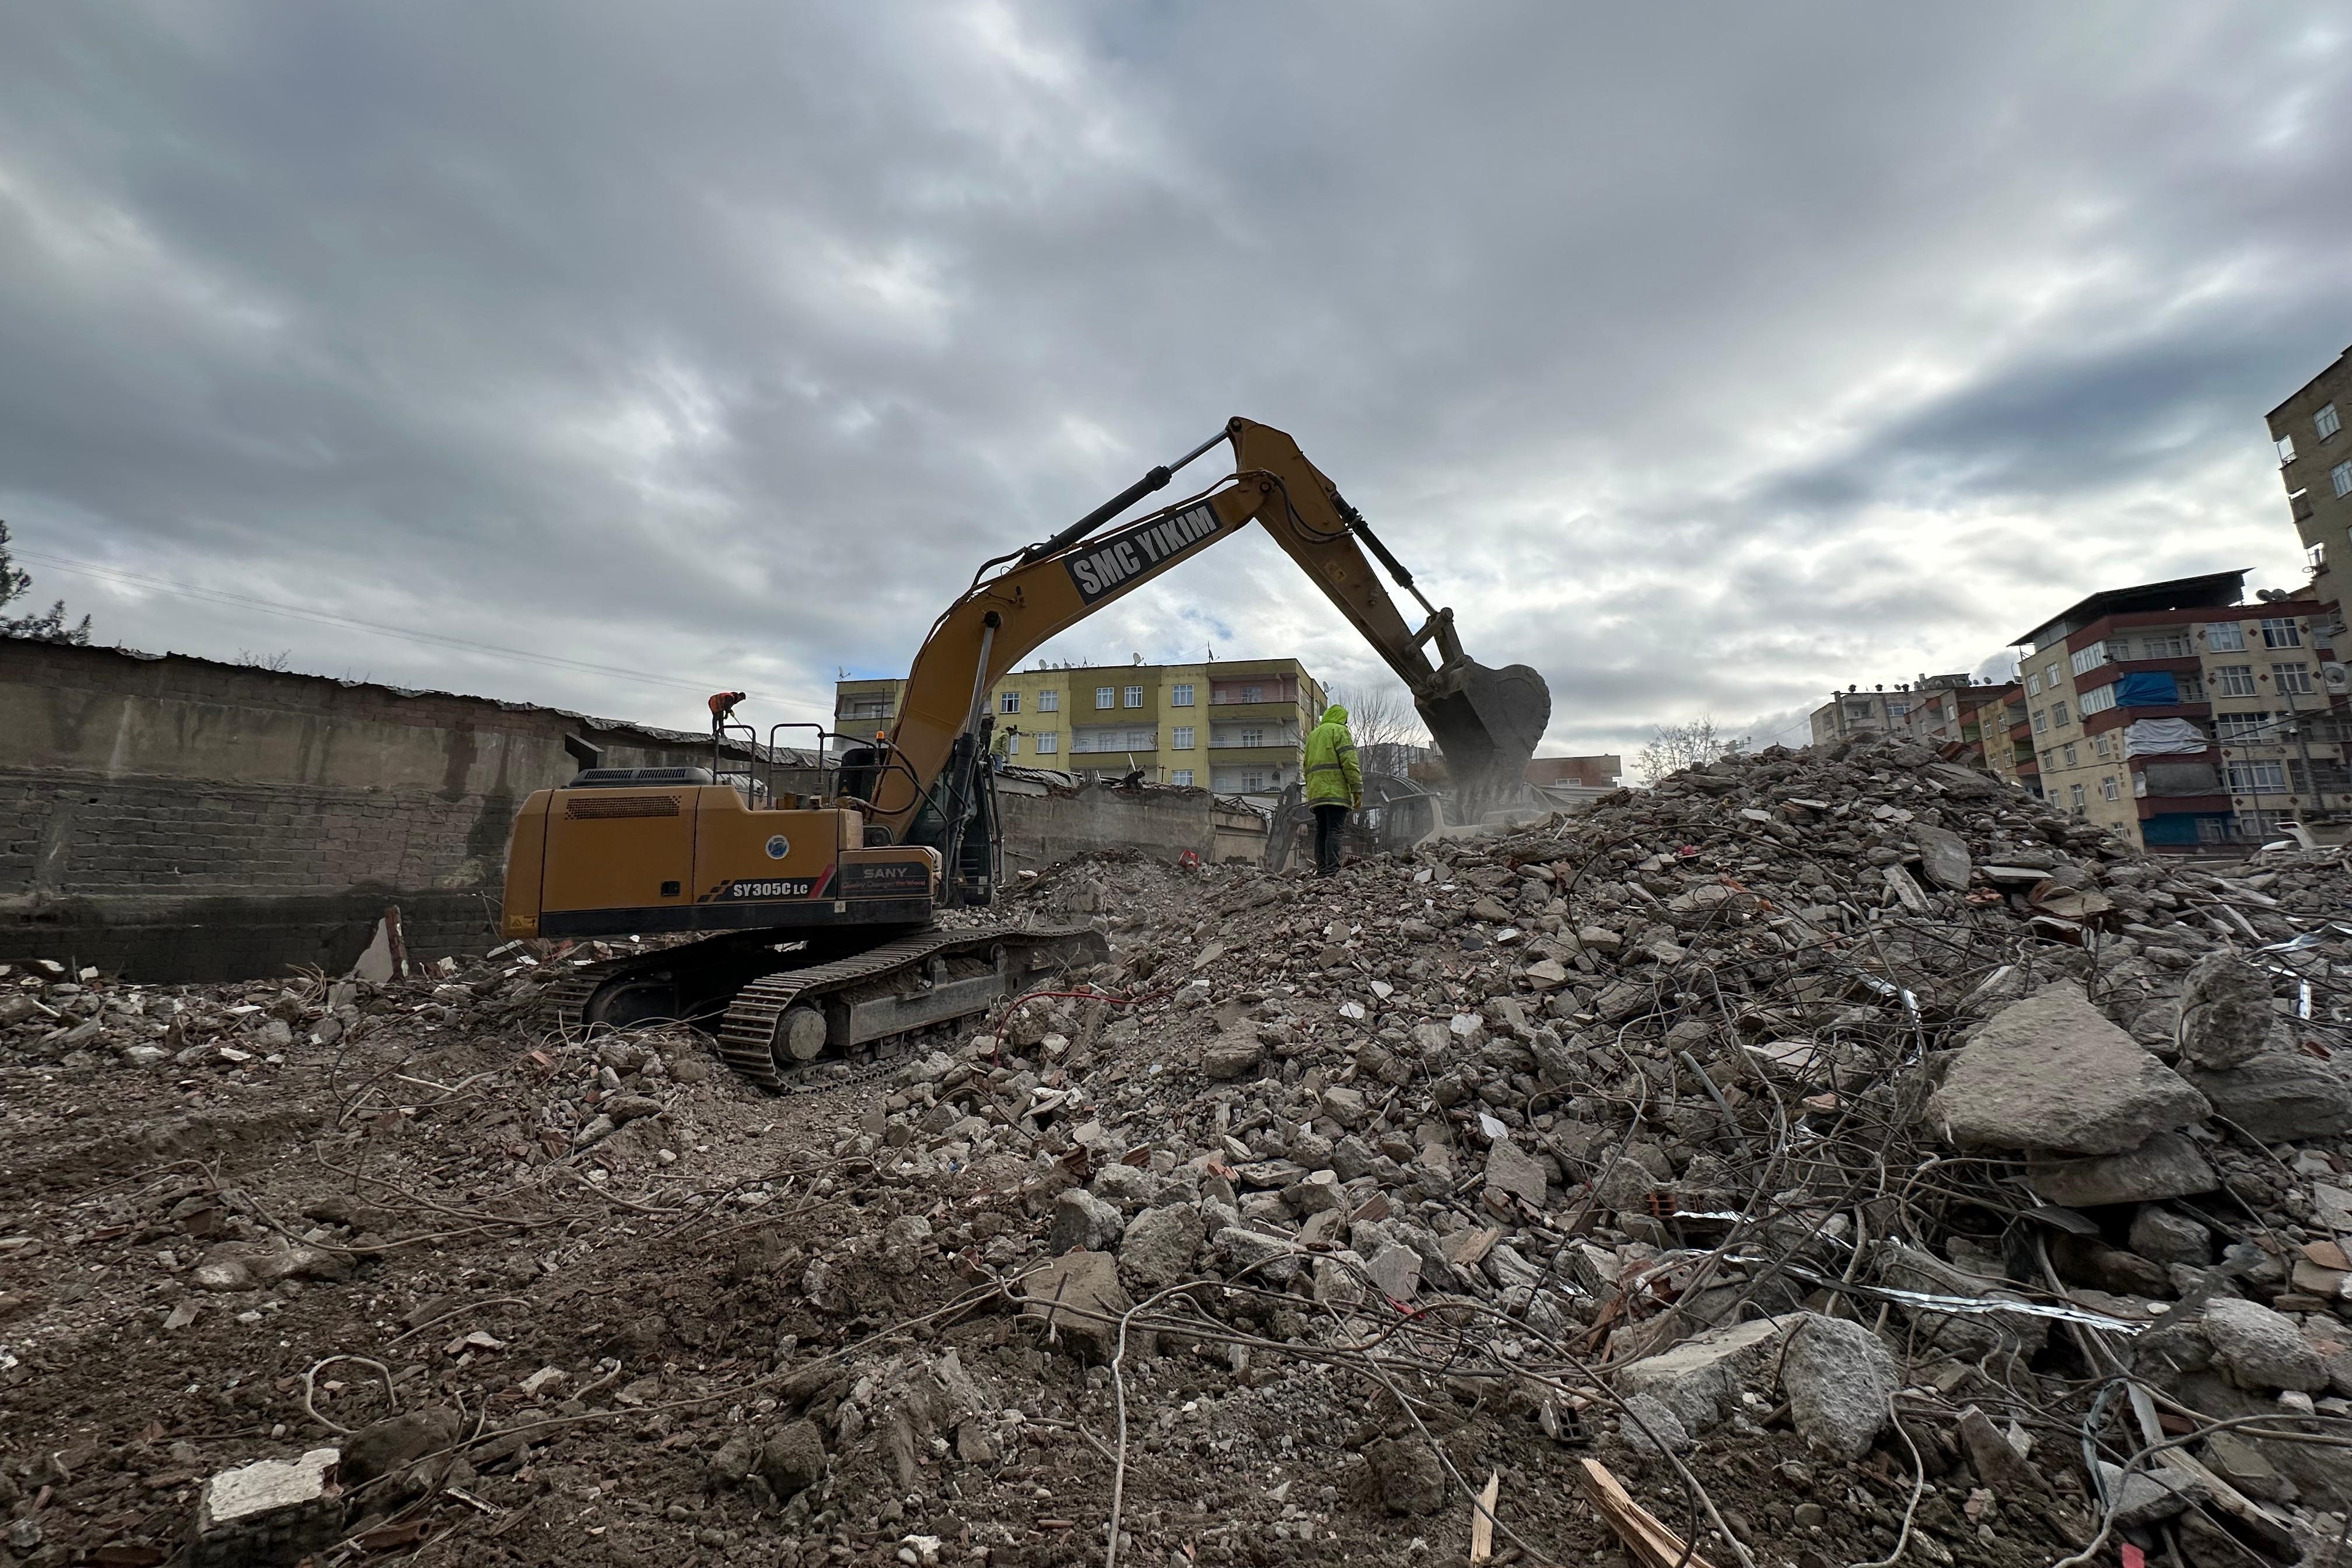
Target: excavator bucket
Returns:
[[1488, 730]]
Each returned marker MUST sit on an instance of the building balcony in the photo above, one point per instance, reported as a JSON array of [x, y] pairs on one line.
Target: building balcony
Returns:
[[1270, 710], [1244, 756]]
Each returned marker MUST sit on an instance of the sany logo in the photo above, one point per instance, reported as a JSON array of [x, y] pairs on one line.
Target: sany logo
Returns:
[[778, 846]]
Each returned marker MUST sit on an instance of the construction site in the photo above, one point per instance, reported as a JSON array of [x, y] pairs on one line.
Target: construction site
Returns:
[[872, 1152], [712, 873]]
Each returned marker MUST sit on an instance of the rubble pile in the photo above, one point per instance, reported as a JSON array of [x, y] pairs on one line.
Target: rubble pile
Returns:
[[1854, 1158]]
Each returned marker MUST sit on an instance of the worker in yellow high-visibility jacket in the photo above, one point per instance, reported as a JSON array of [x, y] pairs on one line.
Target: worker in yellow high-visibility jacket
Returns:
[[1334, 784]]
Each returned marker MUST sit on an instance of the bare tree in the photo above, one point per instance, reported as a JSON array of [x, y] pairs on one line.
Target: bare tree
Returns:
[[1386, 725], [14, 584], [1674, 747]]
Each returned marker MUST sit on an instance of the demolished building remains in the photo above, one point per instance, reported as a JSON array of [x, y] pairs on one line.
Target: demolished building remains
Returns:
[[1824, 1157]]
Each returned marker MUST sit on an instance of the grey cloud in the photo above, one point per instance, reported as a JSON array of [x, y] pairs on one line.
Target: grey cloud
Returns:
[[1704, 364]]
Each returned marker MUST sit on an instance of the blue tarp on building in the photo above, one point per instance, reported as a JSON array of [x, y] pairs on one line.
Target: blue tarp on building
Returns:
[[2150, 689]]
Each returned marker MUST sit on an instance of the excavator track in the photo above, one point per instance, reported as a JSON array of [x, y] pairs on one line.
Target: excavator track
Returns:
[[747, 1032]]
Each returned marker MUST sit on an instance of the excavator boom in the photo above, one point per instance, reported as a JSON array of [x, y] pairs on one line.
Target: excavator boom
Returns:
[[1486, 722]]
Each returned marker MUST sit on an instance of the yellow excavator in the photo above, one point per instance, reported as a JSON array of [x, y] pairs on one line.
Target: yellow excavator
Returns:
[[818, 904]]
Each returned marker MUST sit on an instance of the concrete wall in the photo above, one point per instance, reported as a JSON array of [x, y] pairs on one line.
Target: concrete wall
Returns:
[[173, 819], [176, 819], [1040, 829]]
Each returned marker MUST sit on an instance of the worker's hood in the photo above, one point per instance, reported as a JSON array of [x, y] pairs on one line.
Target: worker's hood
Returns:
[[1334, 714]]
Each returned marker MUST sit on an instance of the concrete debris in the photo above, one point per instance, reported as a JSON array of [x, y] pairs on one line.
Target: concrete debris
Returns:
[[2168, 1165], [1651, 1426], [2261, 1349], [268, 1511], [1701, 1379], [1838, 1376], [2051, 1075], [397, 1443], [1459, 1161], [2226, 1017]]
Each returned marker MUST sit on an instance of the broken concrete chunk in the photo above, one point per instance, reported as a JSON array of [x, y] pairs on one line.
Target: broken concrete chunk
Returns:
[[794, 1459], [2161, 1236], [397, 1443], [2280, 1097], [1838, 1376], [1650, 1427], [1407, 1475], [1700, 1379], [2226, 1016], [1160, 1244], [1080, 1300], [1943, 856], [2150, 1493], [2051, 1075], [2167, 1166], [2261, 1349], [1082, 1220], [269, 1512], [1513, 1170], [1231, 1058]]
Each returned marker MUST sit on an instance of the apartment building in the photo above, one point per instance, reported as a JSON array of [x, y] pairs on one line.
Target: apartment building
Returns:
[[2316, 464], [1235, 726], [1961, 717], [2179, 716], [1854, 712]]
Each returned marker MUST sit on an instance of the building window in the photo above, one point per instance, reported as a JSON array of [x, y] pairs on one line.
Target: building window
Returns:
[[1049, 702], [1180, 695], [2033, 684], [2234, 681], [1135, 696], [1105, 697], [2240, 727], [2249, 778], [2049, 760], [1048, 742], [2040, 719], [2050, 677], [2066, 753], [2076, 796], [2212, 830], [1008, 702], [1143, 740], [2282, 633], [1181, 778], [2058, 715], [2225, 636], [2099, 746], [2109, 789], [2164, 645], [2340, 476], [1250, 738], [2326, 422], [1253, 781], [2293, 679], [1181, 738], [2098, 701], [2088, 659], [2285, 451]]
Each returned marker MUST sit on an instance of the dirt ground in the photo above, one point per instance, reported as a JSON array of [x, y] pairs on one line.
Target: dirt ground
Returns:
[[258, 1241]]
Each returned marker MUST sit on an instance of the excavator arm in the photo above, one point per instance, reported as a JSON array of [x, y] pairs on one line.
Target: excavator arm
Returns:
[[1486, 722]]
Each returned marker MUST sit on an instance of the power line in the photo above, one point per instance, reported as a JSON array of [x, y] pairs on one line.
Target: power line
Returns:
[[272, 607]]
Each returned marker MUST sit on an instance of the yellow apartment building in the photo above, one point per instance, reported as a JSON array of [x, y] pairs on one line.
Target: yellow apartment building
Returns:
[[1234, 726]]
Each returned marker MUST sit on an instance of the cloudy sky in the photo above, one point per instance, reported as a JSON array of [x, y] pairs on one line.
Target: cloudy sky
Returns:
[[1703, 358]]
